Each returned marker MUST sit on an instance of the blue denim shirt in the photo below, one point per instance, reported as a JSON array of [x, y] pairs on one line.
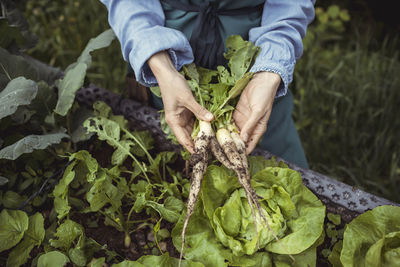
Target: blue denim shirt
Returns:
[[139, 26]]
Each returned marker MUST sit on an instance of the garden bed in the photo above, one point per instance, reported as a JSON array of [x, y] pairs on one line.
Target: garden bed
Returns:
[[338, 197]]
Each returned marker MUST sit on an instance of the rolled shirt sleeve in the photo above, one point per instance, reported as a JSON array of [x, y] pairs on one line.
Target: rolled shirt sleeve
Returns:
[[283, 26], [139, 26]]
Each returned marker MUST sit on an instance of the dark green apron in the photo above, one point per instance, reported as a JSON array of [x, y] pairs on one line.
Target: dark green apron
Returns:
[[281, 137]]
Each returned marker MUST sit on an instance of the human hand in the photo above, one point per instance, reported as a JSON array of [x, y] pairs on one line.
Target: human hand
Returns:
[[254, 107], [179, 102]]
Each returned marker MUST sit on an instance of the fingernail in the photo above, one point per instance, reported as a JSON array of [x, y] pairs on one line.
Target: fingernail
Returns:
[[209, 116], [245, 137]]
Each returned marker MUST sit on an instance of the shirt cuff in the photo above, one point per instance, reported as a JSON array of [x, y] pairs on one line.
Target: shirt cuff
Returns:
[[284, 70], [160, 39]]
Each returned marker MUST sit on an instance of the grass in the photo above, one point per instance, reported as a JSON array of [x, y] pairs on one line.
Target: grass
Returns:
[[347, 113]]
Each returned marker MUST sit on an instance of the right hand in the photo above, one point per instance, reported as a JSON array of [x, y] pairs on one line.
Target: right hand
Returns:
[[179, 102]]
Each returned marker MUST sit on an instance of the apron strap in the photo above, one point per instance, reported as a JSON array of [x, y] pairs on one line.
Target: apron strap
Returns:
[[206, 41]]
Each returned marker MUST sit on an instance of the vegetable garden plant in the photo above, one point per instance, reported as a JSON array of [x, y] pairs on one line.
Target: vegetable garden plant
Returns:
[[81, 188]]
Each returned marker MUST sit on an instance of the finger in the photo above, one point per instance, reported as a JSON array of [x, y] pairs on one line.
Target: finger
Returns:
[[239, 118], [198, 110], [250, 124], [257, 134], [183, 137], [253, 141]]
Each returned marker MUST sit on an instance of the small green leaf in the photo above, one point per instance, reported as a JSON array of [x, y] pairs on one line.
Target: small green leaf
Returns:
[[191, 71], [170, 210], [12, 200], [156, 91], [97, 262], [18, 92], [52, 259], [66, 234], [334, 218], [13, 224], [77, 256], [333, 11]]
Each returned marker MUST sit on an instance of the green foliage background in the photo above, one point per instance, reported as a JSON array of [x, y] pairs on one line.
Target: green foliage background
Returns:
[[346, 85]]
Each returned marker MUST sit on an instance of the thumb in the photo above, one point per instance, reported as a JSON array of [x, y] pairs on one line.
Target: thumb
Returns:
[[198, 110], [249, 126]]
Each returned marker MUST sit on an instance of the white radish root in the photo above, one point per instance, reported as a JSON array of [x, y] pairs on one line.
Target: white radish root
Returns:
[[199, 159], [228, 146]]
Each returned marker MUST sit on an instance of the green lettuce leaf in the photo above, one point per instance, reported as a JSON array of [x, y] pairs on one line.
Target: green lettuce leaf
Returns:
[[373, 238]]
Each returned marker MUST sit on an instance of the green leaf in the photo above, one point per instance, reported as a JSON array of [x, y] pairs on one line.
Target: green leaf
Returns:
[[13, 66], [103, 191], [67, 87], [66, 234], [31, 143], [334, 218], [333, 11], [76, 72], [97, 262], [79, 132], [373, 238], [191, 71], [12, 200], [18, 92], [241, 55], [121, 153], [334, 257], [105, 129], [33, 236], [156, 91], [77, 256], [102, 40], [201, 244], [60, 191], [13, 224], [52, 259], [170, 210]]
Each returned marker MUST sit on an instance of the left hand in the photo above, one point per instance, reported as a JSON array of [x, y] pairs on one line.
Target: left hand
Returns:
[[254, 107]]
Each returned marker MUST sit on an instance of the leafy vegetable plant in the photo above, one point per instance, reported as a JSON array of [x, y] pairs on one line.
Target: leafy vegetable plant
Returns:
[[371, 239], [221, 231]]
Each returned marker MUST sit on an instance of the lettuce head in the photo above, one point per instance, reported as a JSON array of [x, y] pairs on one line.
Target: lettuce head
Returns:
[[223, 222], [372, 239]]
